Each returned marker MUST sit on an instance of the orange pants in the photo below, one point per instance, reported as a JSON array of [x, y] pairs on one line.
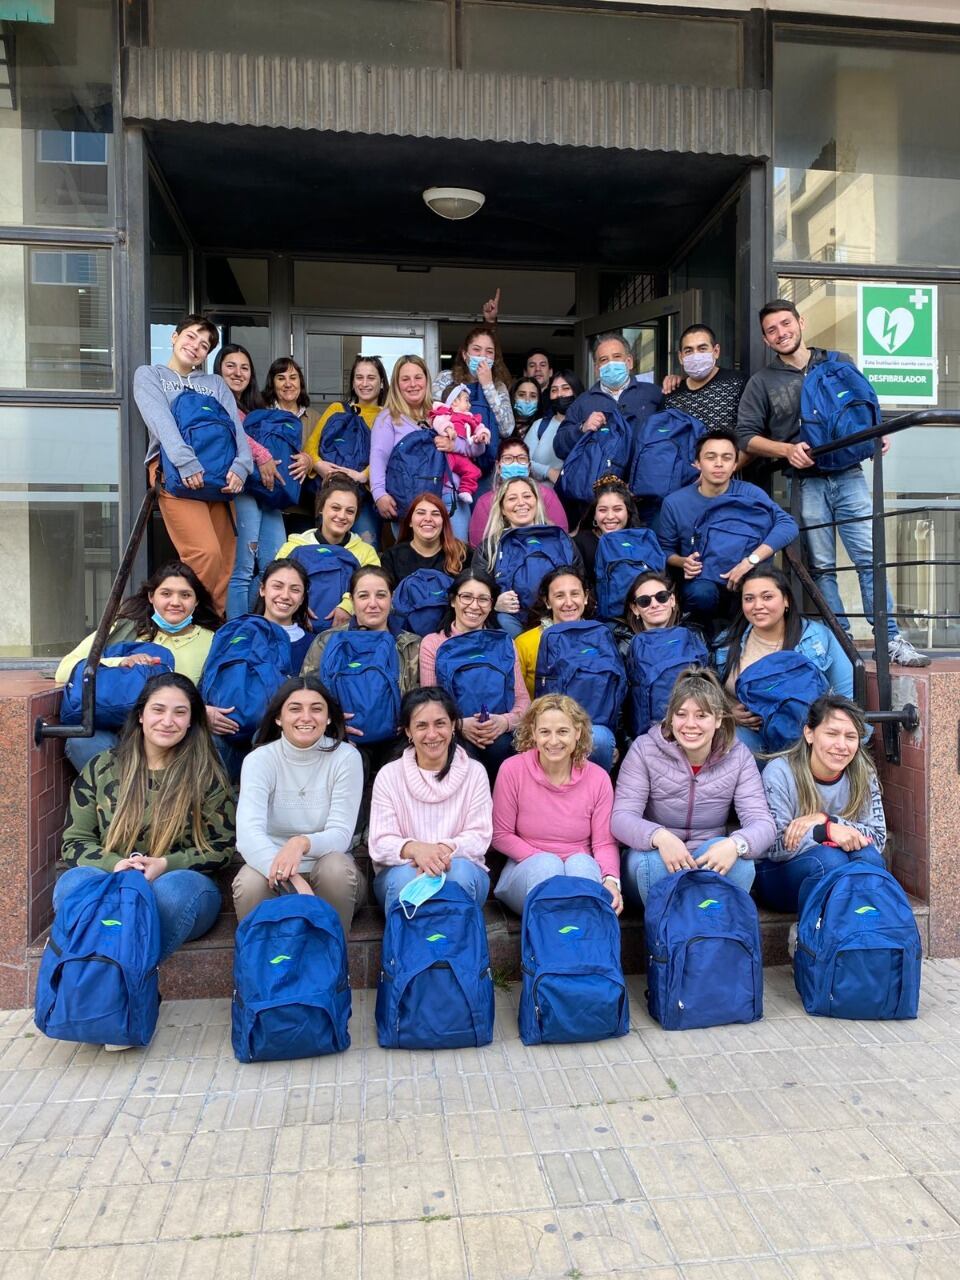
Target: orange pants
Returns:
[[204, 536]]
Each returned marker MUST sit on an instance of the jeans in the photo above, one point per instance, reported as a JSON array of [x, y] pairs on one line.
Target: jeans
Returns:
[[518, 878], [80, 751], [260, 535], [708, 603], [492, 757], [753, 742], [604, 745], [511, 624], [781, 886], [368, 522], [473, 880], [188, 903], [839, 497], [640, 869]]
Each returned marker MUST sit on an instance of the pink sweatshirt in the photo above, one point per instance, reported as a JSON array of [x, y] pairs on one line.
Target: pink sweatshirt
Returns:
[[532, 815], [428, 674], [409, 804]]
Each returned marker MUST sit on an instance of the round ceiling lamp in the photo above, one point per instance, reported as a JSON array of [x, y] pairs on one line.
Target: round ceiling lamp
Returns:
[[455, 203]]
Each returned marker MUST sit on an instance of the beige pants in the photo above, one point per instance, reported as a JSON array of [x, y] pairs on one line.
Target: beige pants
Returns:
[[335, 878]]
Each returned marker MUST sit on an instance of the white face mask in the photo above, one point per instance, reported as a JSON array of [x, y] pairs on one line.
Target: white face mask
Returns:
[[699, 364]]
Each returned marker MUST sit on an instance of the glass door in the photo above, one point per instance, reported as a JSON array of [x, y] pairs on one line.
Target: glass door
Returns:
[[326, 346], [652, 330]]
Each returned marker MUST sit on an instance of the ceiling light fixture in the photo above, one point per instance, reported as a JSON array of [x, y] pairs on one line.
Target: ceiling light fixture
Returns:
[[455, 203]]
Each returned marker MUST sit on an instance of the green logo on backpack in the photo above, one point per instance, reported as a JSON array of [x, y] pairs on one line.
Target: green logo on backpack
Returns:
[[352, 665], [112, 924], [569, 928], [865, 910], [437, 937], [709, 904], [277, 959], [239, 639]]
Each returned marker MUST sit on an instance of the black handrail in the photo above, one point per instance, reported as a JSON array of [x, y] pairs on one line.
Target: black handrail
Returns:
[[85, 728]]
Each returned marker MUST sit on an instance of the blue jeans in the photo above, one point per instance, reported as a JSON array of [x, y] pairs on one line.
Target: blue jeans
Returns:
[[753, 742], [839, 497], [640, 869], [604, 744], [260, 535], [188, 903], [80, 751], [460, 514], [473, 880], [781, 886], [511, 623], [518, 878], [368, 522]]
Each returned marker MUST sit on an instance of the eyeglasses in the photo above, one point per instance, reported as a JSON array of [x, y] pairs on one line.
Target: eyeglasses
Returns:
[[467, 597], [515, 457], [645, 602]]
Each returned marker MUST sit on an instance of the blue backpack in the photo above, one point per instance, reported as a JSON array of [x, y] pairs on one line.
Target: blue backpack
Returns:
[[248, 662], [291, 995], [477, 670], [858, 947], [478, 404], [573, 986], [282, 434], [621, 557], [654, 661], [779, 688], [345, 440], [362, 671], [118, 688], [526, 556], [730, 528], [598, 453], [415, 466], [663, 453], [704, 962], [581, 659], [98, 973], [420, 600], [836, 401], [208, 429], [436, 988], [329, 569]]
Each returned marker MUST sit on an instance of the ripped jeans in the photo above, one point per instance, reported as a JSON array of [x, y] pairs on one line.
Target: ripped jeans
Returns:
[[260, 535]]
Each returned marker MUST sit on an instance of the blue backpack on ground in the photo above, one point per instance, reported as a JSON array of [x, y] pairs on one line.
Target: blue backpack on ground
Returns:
[[415, 466], [118, 688], [526, 555], [654, 661], [291, 995], [248, 662], [573, 986], [329, 569], [208, 429], [663, 453], [620, 558], [779, 688], [436, 988], [477, 670], [604, 452], [478, 404], [835, 402], [420, 600], [581, 659], [362, 671], [345, 440], [730, 528], [704, 961], [282, 433], [858, 947], [98, 974]]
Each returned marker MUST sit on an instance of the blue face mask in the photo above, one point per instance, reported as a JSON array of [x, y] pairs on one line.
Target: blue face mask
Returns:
[[169, 627], [614, 373], [474, 363], [419, 891], [514, 471], [525, 408]]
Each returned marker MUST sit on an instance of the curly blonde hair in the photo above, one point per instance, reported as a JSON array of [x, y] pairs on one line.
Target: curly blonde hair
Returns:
[[524, 738]]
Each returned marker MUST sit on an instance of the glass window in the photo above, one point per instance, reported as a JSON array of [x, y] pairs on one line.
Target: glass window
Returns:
[[59, 525], [56, 319], [866, 168], [252, 332], [169, 259], [330, 357], [236, 282], [56, 131]]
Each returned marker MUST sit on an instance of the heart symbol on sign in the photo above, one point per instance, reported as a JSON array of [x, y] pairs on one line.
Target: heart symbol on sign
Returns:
[[890, 329]]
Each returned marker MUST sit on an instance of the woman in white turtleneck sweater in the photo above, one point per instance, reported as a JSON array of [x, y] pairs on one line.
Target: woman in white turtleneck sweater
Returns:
[[299, 797]]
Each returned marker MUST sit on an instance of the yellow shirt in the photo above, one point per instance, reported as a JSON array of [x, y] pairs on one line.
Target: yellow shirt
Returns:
[[368, 412], [527, 645], [362, 551], [189, 651]]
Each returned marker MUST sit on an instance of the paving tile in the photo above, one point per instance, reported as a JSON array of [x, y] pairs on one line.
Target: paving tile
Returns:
[[414, 1251], [614, 1239], [489, 1186], [317, 1198], [418, 1189], [590, 1177], [709, 1227], [678, 1169], [922, 1148], [768, 1161], [515, 1246]]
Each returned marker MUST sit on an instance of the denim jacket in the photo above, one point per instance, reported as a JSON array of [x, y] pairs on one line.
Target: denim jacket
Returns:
[[822, 648]]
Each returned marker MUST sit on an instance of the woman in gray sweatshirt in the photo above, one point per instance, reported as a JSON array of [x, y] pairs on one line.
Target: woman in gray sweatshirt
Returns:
[[299, 796]]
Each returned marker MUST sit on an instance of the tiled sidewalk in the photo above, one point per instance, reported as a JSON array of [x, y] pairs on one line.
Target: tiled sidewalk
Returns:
[[792, 1148]]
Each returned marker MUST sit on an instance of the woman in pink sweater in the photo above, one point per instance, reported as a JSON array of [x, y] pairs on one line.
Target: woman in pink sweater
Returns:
[[430, 812], [551, 805]]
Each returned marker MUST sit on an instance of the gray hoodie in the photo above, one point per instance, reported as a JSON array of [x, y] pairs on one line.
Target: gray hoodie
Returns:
[[155, 387]]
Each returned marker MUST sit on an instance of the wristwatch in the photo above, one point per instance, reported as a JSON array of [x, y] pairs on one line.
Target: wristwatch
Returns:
[[753, 559], [741, 846]]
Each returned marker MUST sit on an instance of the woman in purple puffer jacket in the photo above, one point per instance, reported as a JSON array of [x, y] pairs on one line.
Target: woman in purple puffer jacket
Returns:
[[676, 788]]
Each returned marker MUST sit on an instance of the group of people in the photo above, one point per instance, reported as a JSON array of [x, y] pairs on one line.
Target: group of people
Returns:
[[529, 777]]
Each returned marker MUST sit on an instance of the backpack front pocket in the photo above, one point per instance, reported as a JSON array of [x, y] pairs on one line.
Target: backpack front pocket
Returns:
[[280, 1029], [713, 982], [580, 1006]]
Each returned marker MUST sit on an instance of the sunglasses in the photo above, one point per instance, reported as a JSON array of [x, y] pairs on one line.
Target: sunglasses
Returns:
[[645, 602]]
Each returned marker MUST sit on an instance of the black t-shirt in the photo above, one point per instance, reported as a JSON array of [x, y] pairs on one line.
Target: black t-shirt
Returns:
[[715, 404], [401, 560]]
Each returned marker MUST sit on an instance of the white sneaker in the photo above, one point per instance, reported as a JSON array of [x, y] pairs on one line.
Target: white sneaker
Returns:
[[904, 654], [792, 940], [116, 1048]]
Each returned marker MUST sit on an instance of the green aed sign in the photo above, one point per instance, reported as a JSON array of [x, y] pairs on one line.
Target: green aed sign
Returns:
[[897, 341]]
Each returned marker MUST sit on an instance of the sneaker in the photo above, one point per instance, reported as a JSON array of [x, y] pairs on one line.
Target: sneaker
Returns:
[[904, 654], [116, 1048], [792, 940]]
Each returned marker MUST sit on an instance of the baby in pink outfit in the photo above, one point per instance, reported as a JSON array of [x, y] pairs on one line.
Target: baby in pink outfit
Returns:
[[454, 417]]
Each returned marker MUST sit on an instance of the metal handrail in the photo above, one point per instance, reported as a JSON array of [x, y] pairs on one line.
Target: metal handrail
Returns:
[[88, 681]]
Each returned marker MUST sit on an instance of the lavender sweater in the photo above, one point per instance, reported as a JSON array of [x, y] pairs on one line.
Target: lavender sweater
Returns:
[[385, 433], [657, 789]]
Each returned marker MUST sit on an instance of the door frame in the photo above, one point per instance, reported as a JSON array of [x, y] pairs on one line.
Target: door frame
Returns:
[[352, 324], [684, 306]]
